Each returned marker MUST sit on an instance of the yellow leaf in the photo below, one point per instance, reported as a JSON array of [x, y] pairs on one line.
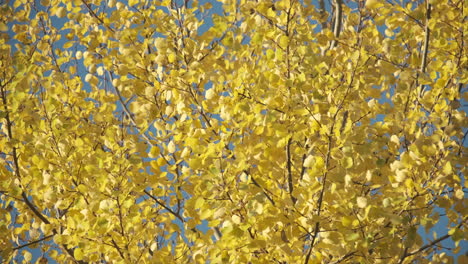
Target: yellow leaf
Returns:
[[400, 175], [459, 194], [100, 71], [373, 4], [368, 175], [386, 202], [308, 161], [270, 54], [236, 219], [105, 204], [78, 254], [133, 2], [68, 44], [154, 152], [27, 256], [318, 256], [171, 148], [219, 213], [79, 55], [3, 27], [185, 153], [82, 188], [43, 164], [88, 77], [447, 168], [35, 160], [199, 202], [210, 94], [347, 162], [169, 110], [361, 202], [283, 41], [79, 142], [319, 162], [61, 12], [153, 246], [171, 57], [46, 228], [346, 221], [352, 236], [120, 5]]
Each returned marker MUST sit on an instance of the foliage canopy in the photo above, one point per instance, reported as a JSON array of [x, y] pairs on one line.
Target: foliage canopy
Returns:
[[247, 131]]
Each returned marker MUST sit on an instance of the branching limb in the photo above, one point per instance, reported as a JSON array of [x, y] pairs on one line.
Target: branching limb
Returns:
[[324, 184], [17, 172], [320, 199]]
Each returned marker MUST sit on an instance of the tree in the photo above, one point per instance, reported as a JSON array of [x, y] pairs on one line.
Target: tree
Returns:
[[247, 132]]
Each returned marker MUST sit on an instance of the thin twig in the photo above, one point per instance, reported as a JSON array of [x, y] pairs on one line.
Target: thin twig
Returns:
[[259, 186], [33, 242], [93, 14], [343, 258], [433, 243], [118, 249], [289, 167], [164, 206], [130, 116]]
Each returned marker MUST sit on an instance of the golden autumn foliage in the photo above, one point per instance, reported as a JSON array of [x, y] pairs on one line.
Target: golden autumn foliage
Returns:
[[236, 132]]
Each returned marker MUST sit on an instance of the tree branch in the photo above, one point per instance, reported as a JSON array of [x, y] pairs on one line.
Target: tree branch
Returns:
[[337, 24], [164, 206], [433, 243], [259, 186], [322, 191], [338, 21], [93, 14], [343, 258], [118, 249], [322, 13], [425, 50], [29, 203], [33, 242], [290, 180]]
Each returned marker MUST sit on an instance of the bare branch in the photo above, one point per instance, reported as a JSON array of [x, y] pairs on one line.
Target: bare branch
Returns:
[[289, 165], [428, 246], [338, 21], [164, 206], [33, 242]]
